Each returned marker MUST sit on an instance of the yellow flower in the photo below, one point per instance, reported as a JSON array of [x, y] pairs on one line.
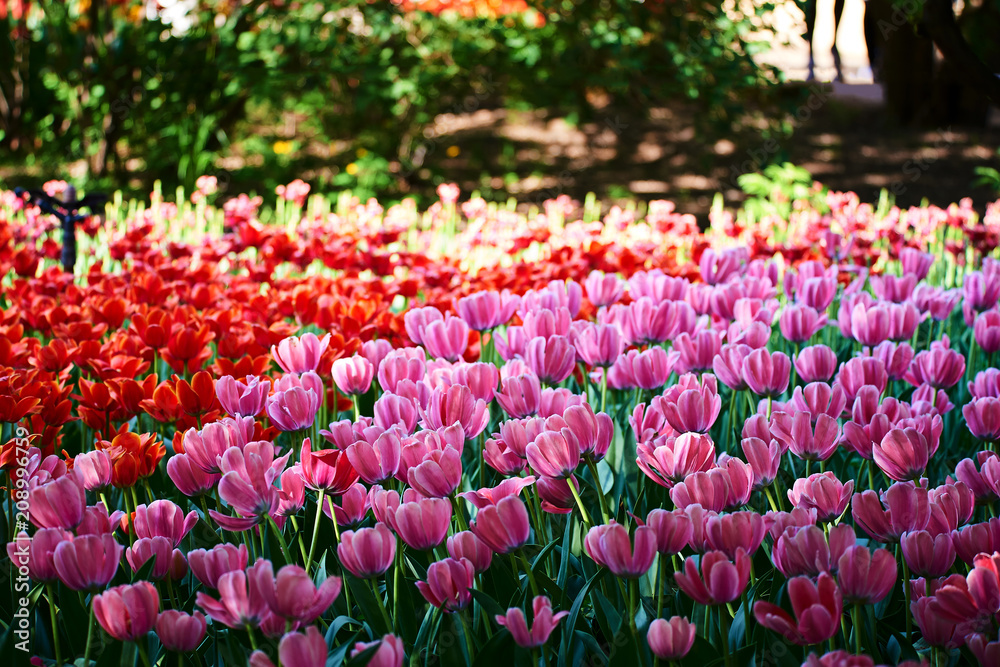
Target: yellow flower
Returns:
[[282, 147], [351, 169], [453, 151]]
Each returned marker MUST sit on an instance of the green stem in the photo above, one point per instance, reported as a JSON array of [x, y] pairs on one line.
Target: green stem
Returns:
[[50, 587], [357, 408], [312, 544], [856, 619], [579, 502], [90, 634], [592, 467], [661, 574], [633, 604], [527, 571], [381, 604], [281, 539], [468, 636], [142, 653], [724, 635], [906, 594], [459, 514], [604, 389]]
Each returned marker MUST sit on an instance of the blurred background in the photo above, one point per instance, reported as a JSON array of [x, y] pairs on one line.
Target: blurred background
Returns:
[[650, 99]]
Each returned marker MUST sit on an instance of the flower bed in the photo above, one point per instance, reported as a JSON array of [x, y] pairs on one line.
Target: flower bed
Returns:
[[354, 435]]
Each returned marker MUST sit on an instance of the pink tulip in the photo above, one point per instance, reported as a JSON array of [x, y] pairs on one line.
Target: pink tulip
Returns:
[[860, 371], [449, 583], [93, 470], [987, 652], [376, 350], [416, 321], [520, 395], [241, 600], [806, 550], [728, 365], [688, 407], [296, 648], [816, 363], [487, 310], [390, 651], [180, 632], [907, 508], [799, 323], [555, 402], [87, 562], [916, 263], [36, 553], [293, 409], [764, 459], [796, 432], [59, 503], [902, 454], [822, 492], [169, 561], [550, 454], [466, 545], [671, 640], [352, 509], [438, 475], [555, 494], [719, 581], [446, 339], [208, 566], [127, 613], [206, 447], [767, 374], [353, 375], [326, 469], [817, 606], [657, 285], [697, 353], [777, 523], [399, 366], [378, 461], [242, 398], [163, 518], [598, 345], [542, 624], [504, 527], [736, 531], [935, 629], [292, 595], [422, 524], [982, 417], [189, 478], [866, 577], [603, 289], [928, 555], [551, 359], [609, 545], [454, 405], [300, 354], [481, 378], [673, 530], [940, 367]]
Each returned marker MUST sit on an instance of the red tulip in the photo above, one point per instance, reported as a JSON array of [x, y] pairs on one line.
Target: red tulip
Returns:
[[817, 607]]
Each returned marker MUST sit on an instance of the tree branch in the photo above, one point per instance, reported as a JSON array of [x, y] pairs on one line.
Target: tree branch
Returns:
[[939, 21]]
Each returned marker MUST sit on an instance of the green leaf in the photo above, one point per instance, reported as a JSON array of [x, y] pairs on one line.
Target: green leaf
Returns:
[[362, 594], [497, 651], [574, 615]]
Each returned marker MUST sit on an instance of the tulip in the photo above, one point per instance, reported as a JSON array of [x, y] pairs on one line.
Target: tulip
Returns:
[[778, 522], [446, 339], [300, 354], [673, 530], [542, 624], [604, 289], [728, 365], [454, 405], [817, 606], [861, 371], [87, 562], [242, 399], [399, 366], [180, 632], [292, 595], [796, 432], [599, 345], [928, 555], [806, 550], [764, 459], [799, 323], [610, 547], [550, 454], [378, 461], [168, 560], [390, 651], [93, 470], [487, 310], [689, 408], [241, 600], [449, 583], [422, 524], [206, 447], [730, 533], [189, 478], [902, 454], [822, 492], [935, 629], [353, 375], [57, 504], [36, 553], [128, 612], [551, 359], [329, 470], [163, 518], [504, 527], [816, 363], [293, 409], [982, 417], [767, 374], [376, 350], [466, 545], [940, 367], [208, 566], [697, 353], [367, 553], [671, 640], [866, 577], [556, 495], [719, 581], [295, 648]]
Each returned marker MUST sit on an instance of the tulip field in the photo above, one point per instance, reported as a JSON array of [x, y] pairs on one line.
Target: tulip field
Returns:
[[313, 433]]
